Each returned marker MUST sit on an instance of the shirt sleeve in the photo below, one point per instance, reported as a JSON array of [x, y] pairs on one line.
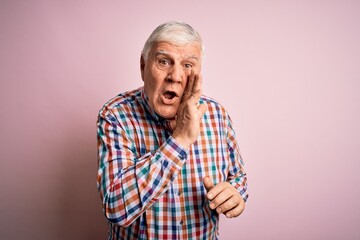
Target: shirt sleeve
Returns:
[[237, 176], [128, 184]]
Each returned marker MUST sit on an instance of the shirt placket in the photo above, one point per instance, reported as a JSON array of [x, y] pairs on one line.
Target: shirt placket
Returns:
[[177, 192], [178, 214]]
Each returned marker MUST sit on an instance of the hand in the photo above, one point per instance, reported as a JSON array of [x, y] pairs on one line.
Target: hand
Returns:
[[224, 198], [187, 123]]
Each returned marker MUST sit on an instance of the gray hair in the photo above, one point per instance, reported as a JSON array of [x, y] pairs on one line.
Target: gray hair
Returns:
[[173, 32]]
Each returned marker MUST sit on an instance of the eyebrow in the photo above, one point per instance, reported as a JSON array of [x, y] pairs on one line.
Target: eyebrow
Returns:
[[163, 52], [193, 57]]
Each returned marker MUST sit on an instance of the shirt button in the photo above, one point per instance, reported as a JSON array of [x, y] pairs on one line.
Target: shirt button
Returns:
[[179, 193], [181, 222]]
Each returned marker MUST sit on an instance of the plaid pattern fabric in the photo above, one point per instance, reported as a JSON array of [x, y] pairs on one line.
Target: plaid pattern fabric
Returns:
[[150, 186]]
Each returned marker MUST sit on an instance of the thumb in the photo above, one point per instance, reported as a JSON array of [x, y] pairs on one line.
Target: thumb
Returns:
[[202, 108], [172, 123], [208, 183]]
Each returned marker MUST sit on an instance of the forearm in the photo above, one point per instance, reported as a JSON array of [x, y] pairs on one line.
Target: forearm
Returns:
[[135, 188], [237, 175], [240, 183]]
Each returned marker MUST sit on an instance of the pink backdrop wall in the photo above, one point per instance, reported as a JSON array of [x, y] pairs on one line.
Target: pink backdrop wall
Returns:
[[287, 71]]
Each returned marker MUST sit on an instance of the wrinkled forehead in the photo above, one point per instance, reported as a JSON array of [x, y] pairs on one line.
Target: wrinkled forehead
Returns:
[[190, 50]]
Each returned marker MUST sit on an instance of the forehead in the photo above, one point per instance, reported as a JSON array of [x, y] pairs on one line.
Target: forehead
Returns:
[[183, 51]]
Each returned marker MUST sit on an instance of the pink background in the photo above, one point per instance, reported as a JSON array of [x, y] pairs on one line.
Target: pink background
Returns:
[[287, 71]]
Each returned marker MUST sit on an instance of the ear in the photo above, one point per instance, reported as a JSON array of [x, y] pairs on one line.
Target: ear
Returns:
[[142, 66]]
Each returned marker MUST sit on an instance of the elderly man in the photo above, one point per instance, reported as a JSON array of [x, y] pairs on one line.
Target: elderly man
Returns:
[[169, 162]]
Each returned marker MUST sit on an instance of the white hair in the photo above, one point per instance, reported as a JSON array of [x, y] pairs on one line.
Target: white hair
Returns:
[[173, 32]]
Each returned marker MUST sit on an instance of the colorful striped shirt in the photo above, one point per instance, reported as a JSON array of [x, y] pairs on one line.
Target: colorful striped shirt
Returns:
[[151, 187]]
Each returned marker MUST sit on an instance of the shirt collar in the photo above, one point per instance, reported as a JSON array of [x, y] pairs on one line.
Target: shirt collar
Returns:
[[145, 100], [152, 113]]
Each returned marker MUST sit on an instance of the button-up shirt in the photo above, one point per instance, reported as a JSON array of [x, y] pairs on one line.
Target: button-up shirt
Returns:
[[150, 186]]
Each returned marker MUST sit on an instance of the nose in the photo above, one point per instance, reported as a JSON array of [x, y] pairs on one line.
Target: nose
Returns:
[[176, 74]]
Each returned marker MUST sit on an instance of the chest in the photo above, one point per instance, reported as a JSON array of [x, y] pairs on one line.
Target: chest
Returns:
[[208, 156]]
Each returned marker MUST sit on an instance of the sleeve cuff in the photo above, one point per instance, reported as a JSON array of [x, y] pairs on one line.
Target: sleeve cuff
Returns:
[[174, 152]]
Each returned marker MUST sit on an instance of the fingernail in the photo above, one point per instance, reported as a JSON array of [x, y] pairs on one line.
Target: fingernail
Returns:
[[212, 205], [228, 215], [218, 210], [210, 195]]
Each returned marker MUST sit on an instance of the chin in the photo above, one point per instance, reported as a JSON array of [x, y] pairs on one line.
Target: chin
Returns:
[[167, 113]]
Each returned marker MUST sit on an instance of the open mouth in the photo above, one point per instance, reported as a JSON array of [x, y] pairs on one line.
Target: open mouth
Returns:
[[169, 95]]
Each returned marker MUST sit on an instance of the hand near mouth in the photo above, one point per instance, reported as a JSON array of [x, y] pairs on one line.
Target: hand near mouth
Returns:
[[187, 123]]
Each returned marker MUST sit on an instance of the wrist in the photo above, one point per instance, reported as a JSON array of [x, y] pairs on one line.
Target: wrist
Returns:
[[181, 141]]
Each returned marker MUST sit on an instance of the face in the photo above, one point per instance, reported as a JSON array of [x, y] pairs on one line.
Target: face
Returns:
[[165, 74]]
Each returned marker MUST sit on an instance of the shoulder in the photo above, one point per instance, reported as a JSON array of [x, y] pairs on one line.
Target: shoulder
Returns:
[[215, 112], [122, 101], [213, 105]]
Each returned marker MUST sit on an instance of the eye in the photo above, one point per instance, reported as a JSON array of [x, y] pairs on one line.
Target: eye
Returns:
[[164, 62], [188, 65]]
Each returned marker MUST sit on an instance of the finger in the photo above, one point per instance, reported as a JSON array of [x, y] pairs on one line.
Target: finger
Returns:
[[208, 183], [228, 204], [197, 82], [172, 123], [197, 90], [202, 108], [239, 209], [189, 87], [217, 189], [194, 98], [222, 198]]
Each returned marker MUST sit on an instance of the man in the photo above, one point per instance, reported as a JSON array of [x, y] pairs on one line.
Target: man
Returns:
[[169, 162]]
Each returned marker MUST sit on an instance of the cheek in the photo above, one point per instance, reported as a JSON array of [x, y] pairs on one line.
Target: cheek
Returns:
[[156, 80], [152, 89], [153, 80]]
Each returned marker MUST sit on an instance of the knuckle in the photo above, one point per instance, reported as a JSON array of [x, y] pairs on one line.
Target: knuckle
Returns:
[[226, 207], [242, 208], [230, 204], [218, 200], [215, 202], [228, 189], [235, 213], [238, 210]]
